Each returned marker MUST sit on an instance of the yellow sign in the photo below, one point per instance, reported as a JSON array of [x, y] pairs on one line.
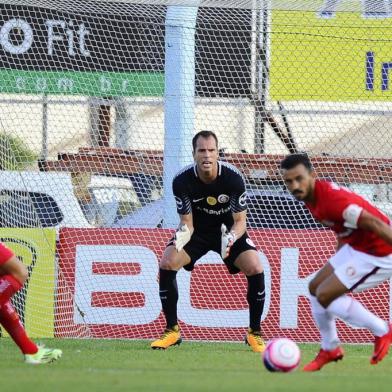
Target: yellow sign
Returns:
[[344, 58], [35, 301]]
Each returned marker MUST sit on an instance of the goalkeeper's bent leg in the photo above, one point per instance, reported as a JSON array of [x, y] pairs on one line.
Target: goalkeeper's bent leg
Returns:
[[255, 297], [168, 292]]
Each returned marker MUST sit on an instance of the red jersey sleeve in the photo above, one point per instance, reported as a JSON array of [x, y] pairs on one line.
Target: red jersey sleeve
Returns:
[[343, 206], [340, 209]]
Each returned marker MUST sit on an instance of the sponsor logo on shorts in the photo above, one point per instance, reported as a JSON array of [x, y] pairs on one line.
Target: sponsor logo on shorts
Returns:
[[211, 200], [250, 242], [350, 271], [223, 198]]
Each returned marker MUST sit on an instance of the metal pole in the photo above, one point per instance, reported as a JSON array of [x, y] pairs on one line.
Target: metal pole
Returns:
[[44, 146], [121, 125], [261, 72]]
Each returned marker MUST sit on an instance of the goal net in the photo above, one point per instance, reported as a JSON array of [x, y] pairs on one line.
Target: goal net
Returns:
[[98, 104]]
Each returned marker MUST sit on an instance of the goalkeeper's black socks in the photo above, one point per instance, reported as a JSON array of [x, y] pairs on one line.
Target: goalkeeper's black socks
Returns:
[[256, 298], [168, 292]]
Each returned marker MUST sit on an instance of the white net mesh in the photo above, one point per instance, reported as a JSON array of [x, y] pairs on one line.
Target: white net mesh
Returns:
[[82, 87]]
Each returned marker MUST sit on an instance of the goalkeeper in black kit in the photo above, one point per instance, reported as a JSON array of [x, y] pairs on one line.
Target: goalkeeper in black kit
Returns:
[[211, 202]]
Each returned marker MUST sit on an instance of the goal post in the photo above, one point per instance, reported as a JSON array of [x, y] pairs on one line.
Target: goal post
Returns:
[[180, 23], [99, 101]]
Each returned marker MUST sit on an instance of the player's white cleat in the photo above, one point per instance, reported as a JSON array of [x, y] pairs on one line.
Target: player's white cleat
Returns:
[[43, 355]]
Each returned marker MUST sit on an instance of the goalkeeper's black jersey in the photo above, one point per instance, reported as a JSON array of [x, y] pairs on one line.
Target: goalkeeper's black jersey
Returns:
[[210, 204]]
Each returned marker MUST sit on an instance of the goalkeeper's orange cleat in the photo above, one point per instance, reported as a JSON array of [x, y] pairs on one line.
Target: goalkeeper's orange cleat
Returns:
[[255, 341], [381, 346], [324, 357], [170, 337]]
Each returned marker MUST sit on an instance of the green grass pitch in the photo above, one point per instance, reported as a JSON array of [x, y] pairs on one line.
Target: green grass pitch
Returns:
[[112, 365]]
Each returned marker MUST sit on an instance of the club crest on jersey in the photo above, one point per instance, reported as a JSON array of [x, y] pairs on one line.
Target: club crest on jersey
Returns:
[[211, 200], [223, 198]]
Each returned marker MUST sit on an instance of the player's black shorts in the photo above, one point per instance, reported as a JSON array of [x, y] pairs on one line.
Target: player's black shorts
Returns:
[[202, 243]]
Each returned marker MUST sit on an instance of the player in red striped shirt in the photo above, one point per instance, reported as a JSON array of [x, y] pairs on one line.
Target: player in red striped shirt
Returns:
[[13, 275], [363, 259]]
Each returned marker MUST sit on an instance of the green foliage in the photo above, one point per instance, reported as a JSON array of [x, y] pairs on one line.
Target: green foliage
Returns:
[[14, 153]]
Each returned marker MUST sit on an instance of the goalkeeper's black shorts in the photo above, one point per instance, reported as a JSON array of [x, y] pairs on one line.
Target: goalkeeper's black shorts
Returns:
[[202, 243]]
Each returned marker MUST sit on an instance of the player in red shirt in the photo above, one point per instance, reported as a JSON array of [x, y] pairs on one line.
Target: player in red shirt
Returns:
[[363, 259], [13, 275]]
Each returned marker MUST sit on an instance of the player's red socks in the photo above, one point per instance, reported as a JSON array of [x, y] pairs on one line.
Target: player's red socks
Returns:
[[9, 319], [8, 287]]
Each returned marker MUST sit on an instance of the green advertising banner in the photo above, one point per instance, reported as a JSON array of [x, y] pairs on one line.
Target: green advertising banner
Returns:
[[346, 57], [82, 83], [35, 301]]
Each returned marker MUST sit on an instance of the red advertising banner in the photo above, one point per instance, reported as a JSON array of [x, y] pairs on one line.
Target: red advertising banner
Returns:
[[108, 287]]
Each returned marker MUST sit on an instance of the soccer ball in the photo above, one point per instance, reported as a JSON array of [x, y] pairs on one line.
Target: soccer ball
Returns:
[[281, 355]]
